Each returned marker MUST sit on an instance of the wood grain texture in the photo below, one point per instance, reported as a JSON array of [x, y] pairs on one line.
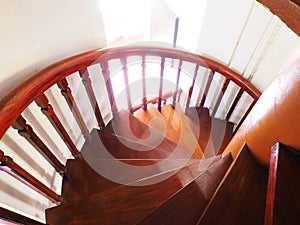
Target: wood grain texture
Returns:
[[16, 101], [8, 165], [283, 198], [240, 197], [86, 80], [67, 93], [27, 132], [124, 205], [186, 206], [47, 109]]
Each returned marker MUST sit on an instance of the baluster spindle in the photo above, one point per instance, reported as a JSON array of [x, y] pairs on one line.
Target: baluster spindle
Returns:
[[86, 80], [22, 175], [219, 99], [27, 132], [208, 83], [244, 117], [67, 93], [159, 99], [47, 109], [125, 73], [177, 84], [144, 100], [191, 88], [106, 73], [234, 104]]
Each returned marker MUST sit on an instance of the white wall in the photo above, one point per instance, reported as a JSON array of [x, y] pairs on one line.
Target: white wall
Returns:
[[247, 37], [36, 33]]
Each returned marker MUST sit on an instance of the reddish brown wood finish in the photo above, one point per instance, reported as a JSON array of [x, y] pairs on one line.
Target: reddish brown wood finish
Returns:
[[283, 201], [9, 166], [15, 102], [177, 84], [287, 11], [234, 104], [240, 197], [124, 205], [125, 72], [191, 88], [27, 132], [162, 66], [67, 93], [84, 74], [43, 102], [186, 206], [109, 88], [144, 100], [207, 86], [244, 117], [219, 99], [271, 185], [17, 218]]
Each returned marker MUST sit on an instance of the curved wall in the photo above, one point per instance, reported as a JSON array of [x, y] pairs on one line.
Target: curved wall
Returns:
[[275, 117]]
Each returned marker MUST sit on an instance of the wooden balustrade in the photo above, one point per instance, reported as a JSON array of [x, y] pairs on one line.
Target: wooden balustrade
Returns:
[[234, 104], [86, 80], [33, 89], [177, 84], [27, 132], [162, 66], [219, 98], [67, 93], [8, 165], [43, 102], [191, 88], [144, 100], [109, 88], [207, 86], [125, 73]]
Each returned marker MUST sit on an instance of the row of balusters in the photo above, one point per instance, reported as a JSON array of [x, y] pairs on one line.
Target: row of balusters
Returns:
[[26, 131]]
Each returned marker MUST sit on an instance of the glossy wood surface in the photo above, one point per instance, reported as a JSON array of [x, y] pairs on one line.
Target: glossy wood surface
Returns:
[[186, 206], [43, 102], [15, 102], [86, 80], [241, 195], [67, 93], [283, 197], [27, 132], [8, 165], [124, 205]]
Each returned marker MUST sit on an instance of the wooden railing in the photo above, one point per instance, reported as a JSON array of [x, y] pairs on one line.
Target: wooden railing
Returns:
[[31, 90]]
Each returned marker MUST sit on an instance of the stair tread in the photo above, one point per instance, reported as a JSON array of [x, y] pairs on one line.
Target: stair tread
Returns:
[[124, 199], [183, 137], [282, 204], [213, 134], [185, 206], [240, 197]]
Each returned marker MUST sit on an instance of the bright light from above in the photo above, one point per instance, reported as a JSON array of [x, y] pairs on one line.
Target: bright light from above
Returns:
[[125, 19]]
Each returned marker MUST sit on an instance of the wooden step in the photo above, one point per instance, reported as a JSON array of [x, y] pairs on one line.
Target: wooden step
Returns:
[[183, 136], [213, 134], [83, 181], [283, 197], [125, 204], [241, 195], [186, 206], [110, 146]]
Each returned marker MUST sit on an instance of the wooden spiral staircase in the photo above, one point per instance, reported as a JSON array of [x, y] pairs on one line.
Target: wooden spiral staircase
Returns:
[[157, 162]]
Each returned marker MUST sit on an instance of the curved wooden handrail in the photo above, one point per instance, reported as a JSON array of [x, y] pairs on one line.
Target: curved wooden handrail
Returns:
[[17, 100]]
